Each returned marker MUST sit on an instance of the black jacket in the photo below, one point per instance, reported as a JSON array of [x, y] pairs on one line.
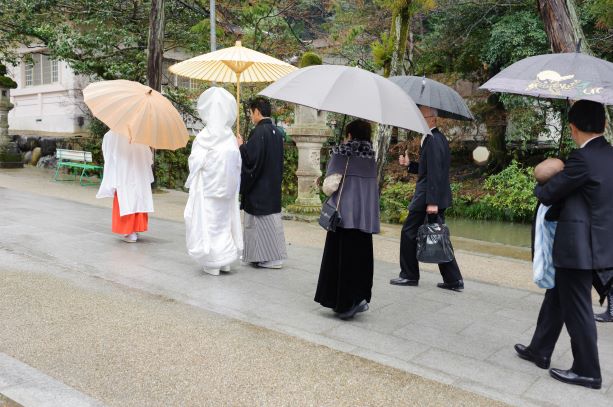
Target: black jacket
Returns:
[[262, 170], [433, 187], [585, 191]]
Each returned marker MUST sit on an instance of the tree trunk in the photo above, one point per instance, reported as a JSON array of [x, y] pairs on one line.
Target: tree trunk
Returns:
[[561, 24], [156, 45], [564, 32], [400, 33], [496, 124]]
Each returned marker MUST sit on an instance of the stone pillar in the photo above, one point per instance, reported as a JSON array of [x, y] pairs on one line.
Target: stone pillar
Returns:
[[9, 152], [309, 132]]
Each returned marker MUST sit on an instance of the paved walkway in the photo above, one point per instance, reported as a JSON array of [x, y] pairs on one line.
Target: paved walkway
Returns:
[[459, 339]]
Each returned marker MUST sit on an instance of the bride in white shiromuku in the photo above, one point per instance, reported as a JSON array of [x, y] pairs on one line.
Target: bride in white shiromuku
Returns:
[[212, 215]]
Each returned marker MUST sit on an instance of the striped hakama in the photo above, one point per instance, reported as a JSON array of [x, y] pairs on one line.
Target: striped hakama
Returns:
[[264, 238]]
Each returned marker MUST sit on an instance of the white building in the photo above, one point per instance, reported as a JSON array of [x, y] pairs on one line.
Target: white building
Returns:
[[48, 98]]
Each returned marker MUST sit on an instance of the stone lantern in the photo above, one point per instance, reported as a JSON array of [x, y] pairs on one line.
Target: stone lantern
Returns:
[[309, 132], [10, 157], [9, 152]]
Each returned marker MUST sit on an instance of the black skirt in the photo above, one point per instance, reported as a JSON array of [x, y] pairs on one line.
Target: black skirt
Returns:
[[346, 274]]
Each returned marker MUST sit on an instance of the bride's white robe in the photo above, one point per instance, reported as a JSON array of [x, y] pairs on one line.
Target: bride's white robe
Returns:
[[212, 215], [127, 171]]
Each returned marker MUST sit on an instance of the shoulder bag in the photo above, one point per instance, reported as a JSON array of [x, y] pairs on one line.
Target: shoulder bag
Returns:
[[330, 217]]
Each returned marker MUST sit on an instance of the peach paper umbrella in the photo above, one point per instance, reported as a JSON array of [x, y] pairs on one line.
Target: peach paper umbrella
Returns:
[[235, 65], [138, 112]]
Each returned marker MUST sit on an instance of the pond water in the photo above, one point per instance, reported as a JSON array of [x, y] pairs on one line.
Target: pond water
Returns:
[[504, 233], [513, 234]]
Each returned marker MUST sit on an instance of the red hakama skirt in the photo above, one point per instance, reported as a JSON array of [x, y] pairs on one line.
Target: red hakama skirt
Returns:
[[135, 222]]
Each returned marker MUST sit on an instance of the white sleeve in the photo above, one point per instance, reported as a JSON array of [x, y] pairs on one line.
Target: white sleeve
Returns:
[[331, 183]]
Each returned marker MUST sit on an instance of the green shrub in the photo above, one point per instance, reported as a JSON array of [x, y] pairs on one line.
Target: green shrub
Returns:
[[395, 199], [289, 188], [171, 168], [310, 58], [510, 197], [5, 81], [513, 192]]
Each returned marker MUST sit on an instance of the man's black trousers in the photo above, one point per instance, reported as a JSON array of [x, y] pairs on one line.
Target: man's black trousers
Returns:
[[409, 266], [569, 303]]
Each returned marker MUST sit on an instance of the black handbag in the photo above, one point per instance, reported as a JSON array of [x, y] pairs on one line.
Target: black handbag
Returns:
[[330, 217], [434, 243]]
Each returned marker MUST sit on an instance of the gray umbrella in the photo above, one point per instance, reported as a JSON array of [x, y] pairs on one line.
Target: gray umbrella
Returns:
[[560, 76], [427, 92], [351, 91]]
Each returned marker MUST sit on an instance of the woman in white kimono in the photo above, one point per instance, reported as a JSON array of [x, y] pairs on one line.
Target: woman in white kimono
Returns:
[[127, 179], [212, 215]]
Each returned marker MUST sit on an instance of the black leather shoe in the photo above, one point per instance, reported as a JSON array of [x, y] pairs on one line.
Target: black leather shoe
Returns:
[[455, 286], [404, 281], [570, 377], [360, 307], [606, 316], [525, 352]]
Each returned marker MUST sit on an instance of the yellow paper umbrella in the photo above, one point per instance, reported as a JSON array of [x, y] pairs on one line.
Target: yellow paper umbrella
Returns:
[[138, 112], [234, 64]]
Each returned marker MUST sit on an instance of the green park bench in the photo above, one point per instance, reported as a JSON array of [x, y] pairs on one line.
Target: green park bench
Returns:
[[78, 160]]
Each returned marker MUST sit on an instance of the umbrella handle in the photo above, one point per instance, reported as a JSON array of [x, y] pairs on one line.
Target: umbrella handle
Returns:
[[238, 104]]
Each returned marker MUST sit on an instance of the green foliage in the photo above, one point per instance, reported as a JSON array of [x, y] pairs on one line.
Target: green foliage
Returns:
[[310, 58], [466, 37], [596, 17], [104, 38], [513, 192], [274, 27], [382, 50], [289, 188], [171, 169], [510, 197], [183, 100], [602, 11], [395, 199], [469, 207], [93, 143], [352, 28], [5, 81], [515, 37], [526, 118]]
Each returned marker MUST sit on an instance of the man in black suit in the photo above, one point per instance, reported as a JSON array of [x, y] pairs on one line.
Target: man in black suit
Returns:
[[432, 196], [582, 245]]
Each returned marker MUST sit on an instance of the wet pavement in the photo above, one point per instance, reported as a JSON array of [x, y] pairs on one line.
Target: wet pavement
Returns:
[[462, 340], [88, 320]]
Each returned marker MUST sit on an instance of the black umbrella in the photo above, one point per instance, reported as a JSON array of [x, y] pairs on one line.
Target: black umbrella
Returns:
[[427, 92]]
